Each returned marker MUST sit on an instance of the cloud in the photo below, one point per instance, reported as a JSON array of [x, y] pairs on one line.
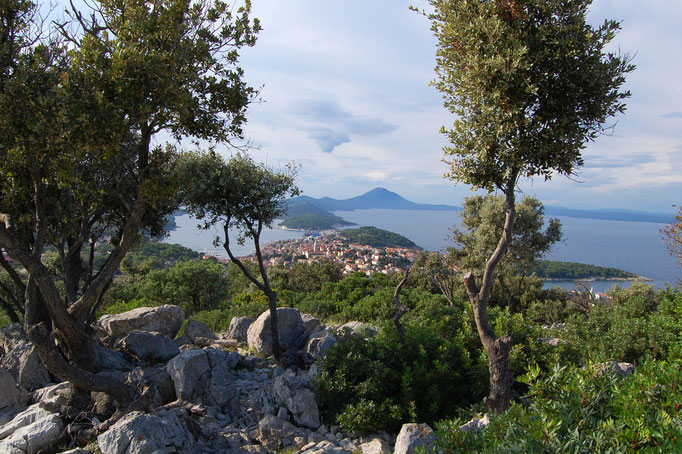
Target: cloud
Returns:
[[331, 126], [672, 115], [611, 162], [328, 139]]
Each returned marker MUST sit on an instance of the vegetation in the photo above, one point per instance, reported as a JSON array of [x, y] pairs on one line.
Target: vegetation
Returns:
[[570, 270], [314, 221], [243, 195], [529, 82], [374, 237], [672, 235], [81, 106]]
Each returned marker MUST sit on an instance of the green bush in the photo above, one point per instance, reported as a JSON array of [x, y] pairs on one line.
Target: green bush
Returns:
[[367, 385], [574, 410]]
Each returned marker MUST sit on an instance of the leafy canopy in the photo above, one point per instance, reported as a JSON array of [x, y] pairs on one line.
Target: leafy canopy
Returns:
[[529, 81]]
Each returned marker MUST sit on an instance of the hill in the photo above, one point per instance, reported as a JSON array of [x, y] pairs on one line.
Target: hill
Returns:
[[302, 215], [376, 198], [547, 269], [375, 237]]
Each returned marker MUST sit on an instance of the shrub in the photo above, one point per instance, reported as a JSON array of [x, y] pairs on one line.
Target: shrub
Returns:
[[367, 385], [579, 410]]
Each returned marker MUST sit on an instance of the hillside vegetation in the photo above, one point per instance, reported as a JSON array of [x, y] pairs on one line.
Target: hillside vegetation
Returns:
[[375, 237]]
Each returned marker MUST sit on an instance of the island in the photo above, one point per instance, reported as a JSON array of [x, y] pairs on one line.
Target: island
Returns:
[[571, 271], [378, 238]]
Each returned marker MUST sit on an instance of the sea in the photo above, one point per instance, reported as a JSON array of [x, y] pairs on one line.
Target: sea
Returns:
[[632, 246]]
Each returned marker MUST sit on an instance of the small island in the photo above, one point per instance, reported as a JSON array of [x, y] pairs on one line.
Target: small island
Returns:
[[571, 271], [375, 237]]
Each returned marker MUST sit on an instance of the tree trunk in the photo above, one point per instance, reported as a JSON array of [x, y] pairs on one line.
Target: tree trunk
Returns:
[[496, 348], [274, 328], [400, 309]]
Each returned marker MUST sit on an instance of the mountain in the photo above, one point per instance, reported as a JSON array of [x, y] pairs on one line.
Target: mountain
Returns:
[[376, 198]]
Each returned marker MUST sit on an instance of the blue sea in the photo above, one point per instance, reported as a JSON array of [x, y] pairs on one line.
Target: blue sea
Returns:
[[632, 246]]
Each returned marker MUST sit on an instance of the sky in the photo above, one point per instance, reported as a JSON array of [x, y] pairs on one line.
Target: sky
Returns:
[[345, 94]]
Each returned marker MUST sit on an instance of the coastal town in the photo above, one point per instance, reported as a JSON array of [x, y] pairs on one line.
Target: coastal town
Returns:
[[329, 245]]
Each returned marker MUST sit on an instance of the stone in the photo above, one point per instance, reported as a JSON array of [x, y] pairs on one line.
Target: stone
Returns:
[[319, 343], [156, 378], [166, 319], [13, 397], [413, 435], [190, 371], [292, 392], [39, 434], [151, 348], [108, 359], [476, 424], [553, 341], [20, 358], [76, 451], [358, 329], [239, 327], [272, 431], [289, 324], [195, 329], [311, 322], [375, 446], [140, 433], [54, 395], [25, 418], [623, 369]]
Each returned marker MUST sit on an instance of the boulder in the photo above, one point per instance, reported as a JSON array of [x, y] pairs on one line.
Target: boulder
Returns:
[[165, 319], [623, 369], [319, 342], [138, 433], [151, 348], [108, 359], [20, 358], [239, 327], [294, 393], [310, 321], [13, 397], [34, 437], [195, 330], [476, 424], [53, 395], [203, 376], [413, 435], [289, 324], [374, 446], [274, 432]]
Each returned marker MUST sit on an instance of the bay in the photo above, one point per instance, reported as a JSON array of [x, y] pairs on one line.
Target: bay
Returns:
[[632, 246]]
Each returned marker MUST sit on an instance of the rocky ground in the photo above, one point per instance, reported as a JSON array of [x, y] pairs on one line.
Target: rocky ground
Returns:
[[210, 393]]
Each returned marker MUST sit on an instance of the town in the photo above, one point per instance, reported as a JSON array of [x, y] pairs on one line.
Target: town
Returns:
[[330, 245]]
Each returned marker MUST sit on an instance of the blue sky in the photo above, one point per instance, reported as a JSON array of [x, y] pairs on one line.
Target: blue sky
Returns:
[[345, 94]]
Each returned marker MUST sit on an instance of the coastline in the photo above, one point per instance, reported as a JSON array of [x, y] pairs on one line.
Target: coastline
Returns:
[[599, 278]]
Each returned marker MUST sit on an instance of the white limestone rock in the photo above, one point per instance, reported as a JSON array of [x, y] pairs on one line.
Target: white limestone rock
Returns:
[[290, 326], [165, 319], [20, 358], [413, 435], [140, 433]]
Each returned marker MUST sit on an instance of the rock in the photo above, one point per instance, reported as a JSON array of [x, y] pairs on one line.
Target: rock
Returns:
[[553, 341], [190, 371], [289, 324], [13, 397], [239, 327], [20, 358], [151, 348], [25, 418], [375, 446], [138, 433], [358, 329], [293, 392], [320, 342], [195, 329], [273, 431], [108, 359], [624, 369], [310, 321], [156, 378], [203, 376], [476, 424], [40, 433], [165, 319], [413, 435], [54, 395], [76, 451]]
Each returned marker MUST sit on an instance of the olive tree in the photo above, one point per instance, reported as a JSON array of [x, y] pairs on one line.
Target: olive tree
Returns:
[[482, 223], [530, 82], [79, 159], [245, 196]]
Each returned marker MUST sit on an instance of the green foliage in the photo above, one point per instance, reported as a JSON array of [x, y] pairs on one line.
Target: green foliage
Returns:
[[374, 237], [482, 220], [581, 411], [367, 385], [529, 82], [161, 254], [314, 221], [672, 236], [571, 270], [309, 277]]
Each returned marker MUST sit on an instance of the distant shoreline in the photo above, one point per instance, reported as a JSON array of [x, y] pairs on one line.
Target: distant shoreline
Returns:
[[598, 278]]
